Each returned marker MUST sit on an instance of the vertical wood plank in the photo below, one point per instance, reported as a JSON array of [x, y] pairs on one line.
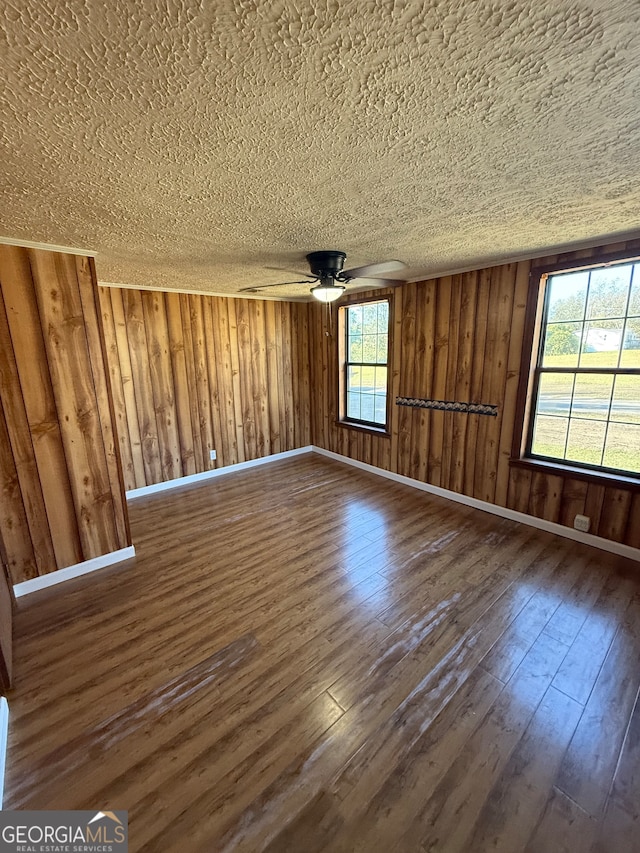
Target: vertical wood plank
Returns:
[[302, 347], [59, 302], [424, 358], [181, 383], [451, 418], [511, 379], [459, 458], [141, 382], [594, 503], [274, 377], [477, 372], [222, 353], [128, 386], [162, 383], [616, 506], [192, 383], [246, 385], [236, 384], [292, 388], [21, 558], [202, 377], [28, 538], [407, 337], [493, 380], [440, 369], [633, 524], [124, 430], [37, 392], [209, 307], [85, 271], [519, 489], [259, 372]]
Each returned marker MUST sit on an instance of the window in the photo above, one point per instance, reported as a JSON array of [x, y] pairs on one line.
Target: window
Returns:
[[585, 401], [364, 329]]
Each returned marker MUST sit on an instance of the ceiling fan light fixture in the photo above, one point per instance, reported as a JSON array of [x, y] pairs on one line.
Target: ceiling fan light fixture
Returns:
[[328, 292]]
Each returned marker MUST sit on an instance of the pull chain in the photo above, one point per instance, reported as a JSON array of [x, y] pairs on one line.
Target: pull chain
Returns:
[[329, 321]]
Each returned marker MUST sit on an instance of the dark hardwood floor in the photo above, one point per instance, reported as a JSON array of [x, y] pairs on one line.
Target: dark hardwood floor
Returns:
[[304, 657]]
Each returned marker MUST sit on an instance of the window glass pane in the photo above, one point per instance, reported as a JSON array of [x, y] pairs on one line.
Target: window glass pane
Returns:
[[554, 393], [585, 441], [630, 356], [562, 345], [626, 400], [608, 292], [634, 301], [354, 379], [601, 341], [353, 405], [549, 436], [383, 317], [367, 407], [370, 318], [382, 352], [381, 409], [355, 320], [368, 378], [622, 450], [592, 396], [369, 345], [567, 296], [355, 348], [380, 381]]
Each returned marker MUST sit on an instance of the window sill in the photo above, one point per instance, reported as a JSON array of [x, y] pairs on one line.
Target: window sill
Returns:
[[384, 433], [602, 478]]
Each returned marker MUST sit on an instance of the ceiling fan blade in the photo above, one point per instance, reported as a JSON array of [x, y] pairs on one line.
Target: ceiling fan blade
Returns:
[[375, 269], [256, 287], [362, 283], [291, 271]]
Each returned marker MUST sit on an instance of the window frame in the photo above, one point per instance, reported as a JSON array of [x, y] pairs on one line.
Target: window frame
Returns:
[[532, 342], [343, 365]]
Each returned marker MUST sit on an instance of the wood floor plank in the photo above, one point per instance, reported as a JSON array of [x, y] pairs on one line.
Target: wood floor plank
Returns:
[[588, 768], [484, 756], [305, 657], [564, 828], [516, 802]]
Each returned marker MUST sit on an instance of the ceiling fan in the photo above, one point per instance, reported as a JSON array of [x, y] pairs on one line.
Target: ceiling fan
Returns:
[[327, 270]]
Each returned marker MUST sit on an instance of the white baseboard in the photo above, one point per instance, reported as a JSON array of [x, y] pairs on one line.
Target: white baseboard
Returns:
[[132, 494], [550, 526], [35, 584], [4, 736]]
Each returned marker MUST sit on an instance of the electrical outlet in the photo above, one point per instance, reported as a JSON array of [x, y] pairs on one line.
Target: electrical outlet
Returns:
[[212, 455], [582, 523]]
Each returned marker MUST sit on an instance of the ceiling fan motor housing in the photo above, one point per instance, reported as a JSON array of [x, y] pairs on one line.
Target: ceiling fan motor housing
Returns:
[[326, 264]]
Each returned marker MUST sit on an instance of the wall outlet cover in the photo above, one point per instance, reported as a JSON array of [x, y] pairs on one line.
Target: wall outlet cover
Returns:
[[582, 523], [212, 455]]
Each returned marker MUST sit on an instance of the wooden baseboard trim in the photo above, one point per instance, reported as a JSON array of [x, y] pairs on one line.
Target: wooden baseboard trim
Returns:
[[44, 581], [4, 736], [132, 494], [550, 526]]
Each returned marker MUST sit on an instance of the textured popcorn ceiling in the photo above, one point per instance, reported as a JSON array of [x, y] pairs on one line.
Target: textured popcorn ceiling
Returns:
[[209, 145]]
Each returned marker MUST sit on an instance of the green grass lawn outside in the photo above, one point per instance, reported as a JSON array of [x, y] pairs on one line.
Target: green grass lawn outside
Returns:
[[585, 434]]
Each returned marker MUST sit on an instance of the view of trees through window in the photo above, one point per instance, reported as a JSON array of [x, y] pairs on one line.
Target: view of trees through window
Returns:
[[367, 343], [587, 382]]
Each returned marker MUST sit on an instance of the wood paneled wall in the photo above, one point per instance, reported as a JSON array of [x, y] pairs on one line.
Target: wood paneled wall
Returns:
[[192, 374], [459, 338], [62, 493]]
